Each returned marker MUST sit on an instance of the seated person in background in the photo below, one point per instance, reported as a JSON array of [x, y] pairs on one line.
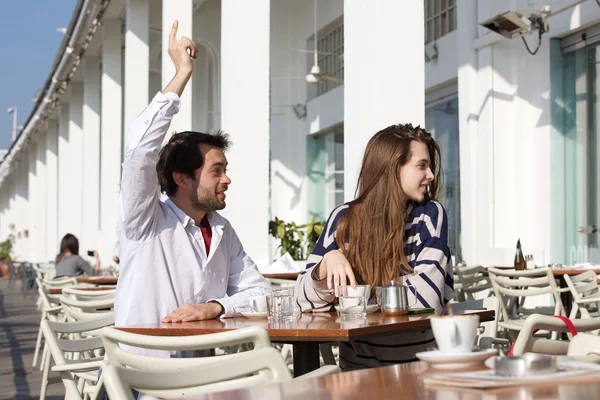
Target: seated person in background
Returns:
[[394, 228], [70, 263], [181, 260]]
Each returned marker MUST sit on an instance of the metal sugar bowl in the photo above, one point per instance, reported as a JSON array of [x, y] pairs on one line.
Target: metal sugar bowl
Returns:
[[393, 298]]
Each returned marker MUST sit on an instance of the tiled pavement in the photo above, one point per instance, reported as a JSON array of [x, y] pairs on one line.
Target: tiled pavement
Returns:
[[19, 323]]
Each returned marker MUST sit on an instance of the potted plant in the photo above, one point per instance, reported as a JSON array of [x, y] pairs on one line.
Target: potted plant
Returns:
[[6, 255], [298, 240]]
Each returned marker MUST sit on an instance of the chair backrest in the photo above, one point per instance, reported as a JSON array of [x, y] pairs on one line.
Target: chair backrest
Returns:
[[113, 338], [79, 294], [247, 369], [60, 282], [520, 284], [582, 285], [584, 345], [473, 280], [85, 310], [64, 338]]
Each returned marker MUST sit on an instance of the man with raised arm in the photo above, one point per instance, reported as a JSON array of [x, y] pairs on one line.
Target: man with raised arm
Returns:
[[180, 260]]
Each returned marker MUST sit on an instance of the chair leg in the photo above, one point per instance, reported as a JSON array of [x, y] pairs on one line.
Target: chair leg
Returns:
[[45, 355], [45, 377], [38, 343]]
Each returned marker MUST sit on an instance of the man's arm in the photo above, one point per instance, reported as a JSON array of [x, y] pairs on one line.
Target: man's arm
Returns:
[[139, 196]]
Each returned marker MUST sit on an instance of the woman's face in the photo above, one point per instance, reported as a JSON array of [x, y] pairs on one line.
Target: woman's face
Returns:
[[416, 175]]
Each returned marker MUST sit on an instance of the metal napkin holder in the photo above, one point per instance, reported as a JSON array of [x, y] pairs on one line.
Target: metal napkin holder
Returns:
[[525, 365]]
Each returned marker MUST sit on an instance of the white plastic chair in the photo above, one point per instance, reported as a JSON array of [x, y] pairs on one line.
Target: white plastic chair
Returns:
[[473, 280], [584, 289], [254, 335], [242, 370], [51, 310], [511, 286], [584, 345], [526, 342], [78, 356]]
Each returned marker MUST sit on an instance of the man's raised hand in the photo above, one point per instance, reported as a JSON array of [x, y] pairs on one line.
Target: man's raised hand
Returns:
[[181, 51]]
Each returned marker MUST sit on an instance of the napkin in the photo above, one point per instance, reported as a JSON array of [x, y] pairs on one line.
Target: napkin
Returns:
[[284, 265], [487, 379]]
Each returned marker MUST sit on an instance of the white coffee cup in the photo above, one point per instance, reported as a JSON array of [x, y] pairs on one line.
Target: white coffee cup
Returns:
[[455, 333], [258, 303]]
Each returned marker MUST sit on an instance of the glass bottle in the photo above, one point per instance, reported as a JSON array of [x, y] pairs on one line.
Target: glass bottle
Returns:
[[519, 259]]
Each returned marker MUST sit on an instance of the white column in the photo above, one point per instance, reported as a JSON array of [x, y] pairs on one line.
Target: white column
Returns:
[[111, 133], [182, 11], [91, 151], [64, 174], [12, 201], [76, 149], [22, 220], [41, 198], [52, 245], [384, 74], [137, 55], [467, 108], [245, 116], [32, 202]]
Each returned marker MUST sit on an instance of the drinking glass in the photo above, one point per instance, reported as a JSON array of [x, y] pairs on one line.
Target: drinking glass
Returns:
[[353, 301], [280, 305]]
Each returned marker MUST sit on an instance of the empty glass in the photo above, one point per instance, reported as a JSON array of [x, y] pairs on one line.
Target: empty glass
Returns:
[[280, 305], [353, 301]]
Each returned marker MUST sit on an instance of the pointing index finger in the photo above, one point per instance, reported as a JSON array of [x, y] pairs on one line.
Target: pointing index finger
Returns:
[[173, 34]]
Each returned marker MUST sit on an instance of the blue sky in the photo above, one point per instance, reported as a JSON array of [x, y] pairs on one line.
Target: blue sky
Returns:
[[28, 44]]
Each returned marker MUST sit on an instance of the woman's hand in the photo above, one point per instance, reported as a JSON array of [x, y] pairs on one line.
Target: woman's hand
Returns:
[[337, 269]]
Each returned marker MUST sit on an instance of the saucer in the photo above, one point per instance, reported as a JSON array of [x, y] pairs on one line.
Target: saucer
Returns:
[[371, 308], [254, 314], [437, 359]]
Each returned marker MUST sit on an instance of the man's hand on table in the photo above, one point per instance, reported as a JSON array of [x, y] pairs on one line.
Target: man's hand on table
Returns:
[[194, 312]]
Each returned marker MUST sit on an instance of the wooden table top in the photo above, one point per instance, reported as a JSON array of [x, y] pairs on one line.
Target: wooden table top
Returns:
[[98, 280], [404, 381], [88, 289], [306, 327], [288, 275]]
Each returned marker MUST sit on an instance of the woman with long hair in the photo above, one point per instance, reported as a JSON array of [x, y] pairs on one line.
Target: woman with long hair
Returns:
[[393, 229], [69, 263]]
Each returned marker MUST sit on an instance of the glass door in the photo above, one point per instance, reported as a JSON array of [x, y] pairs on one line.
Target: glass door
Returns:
[[582, 86]]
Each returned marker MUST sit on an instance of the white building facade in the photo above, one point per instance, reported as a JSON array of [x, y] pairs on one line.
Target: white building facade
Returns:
[[518, 131]]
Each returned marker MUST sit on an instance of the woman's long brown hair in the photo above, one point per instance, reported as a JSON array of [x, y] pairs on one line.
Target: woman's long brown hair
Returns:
[[371, 233]]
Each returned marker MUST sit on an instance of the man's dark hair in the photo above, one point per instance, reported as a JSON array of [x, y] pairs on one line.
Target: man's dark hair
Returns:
[[182, 154]]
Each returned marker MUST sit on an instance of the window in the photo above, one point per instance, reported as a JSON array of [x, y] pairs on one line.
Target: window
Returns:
[[441, 119], [325, 172], [440, 18], [330, 50]]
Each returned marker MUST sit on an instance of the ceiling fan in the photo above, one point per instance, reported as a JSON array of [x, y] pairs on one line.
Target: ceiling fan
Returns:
[[316, 75]]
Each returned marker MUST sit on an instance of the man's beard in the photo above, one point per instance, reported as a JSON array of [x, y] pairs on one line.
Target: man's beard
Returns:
[[206, 201]]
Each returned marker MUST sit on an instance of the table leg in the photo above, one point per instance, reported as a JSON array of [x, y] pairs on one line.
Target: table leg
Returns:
[[306, 357]]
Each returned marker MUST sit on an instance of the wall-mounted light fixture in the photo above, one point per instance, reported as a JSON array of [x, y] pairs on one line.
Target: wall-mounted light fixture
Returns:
[[431, 52]]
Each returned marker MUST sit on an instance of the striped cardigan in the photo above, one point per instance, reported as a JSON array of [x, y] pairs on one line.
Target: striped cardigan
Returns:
[[427, 252]]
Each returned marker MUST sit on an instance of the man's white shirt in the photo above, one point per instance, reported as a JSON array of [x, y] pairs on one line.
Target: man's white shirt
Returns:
[[163, 257]]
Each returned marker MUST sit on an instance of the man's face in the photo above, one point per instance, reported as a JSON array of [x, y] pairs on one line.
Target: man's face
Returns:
[[207, 192]]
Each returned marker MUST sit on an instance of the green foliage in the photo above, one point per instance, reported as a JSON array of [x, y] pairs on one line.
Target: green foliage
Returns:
[[6, 248], [298, 240]]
